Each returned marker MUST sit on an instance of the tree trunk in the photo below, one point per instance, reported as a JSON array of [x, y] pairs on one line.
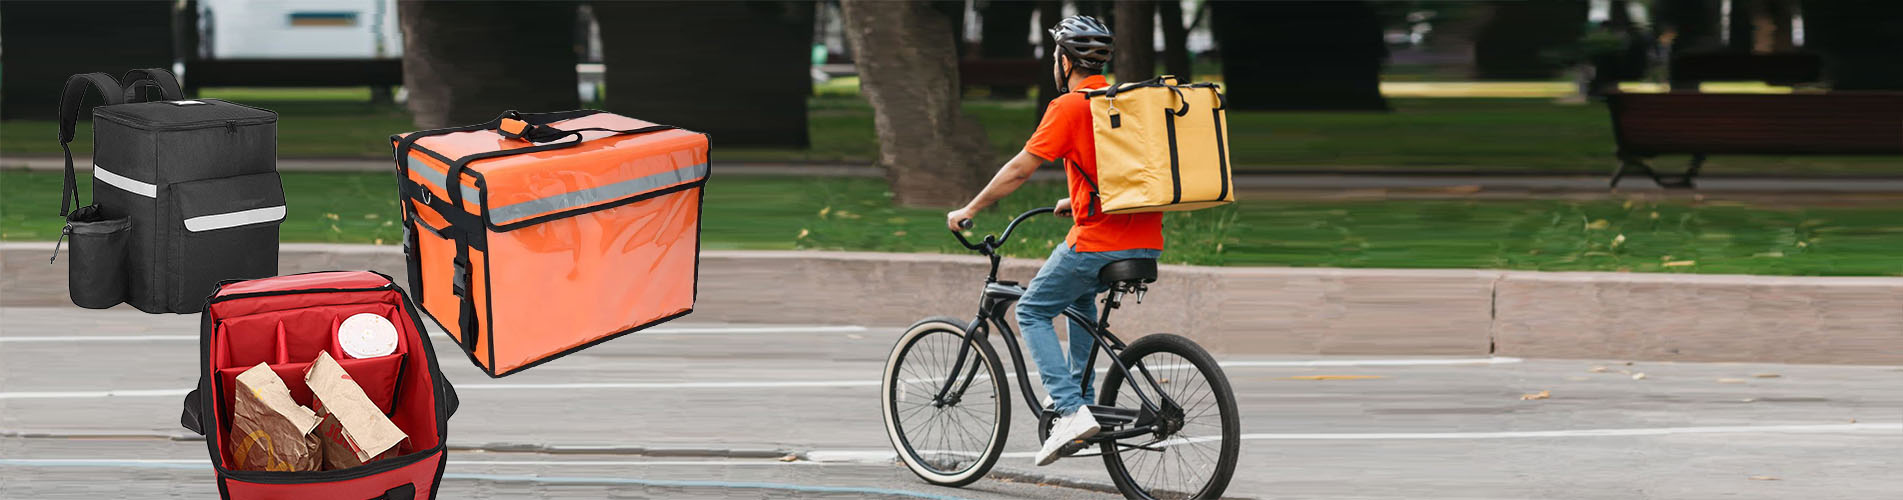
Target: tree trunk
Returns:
[[745, 81], [1135, 57], [466, 62], [1175, 40], [1003, 37], [1860, 40], [1516, 41], [1309, 55], [1048, 13], [932, 153], [49, 41]]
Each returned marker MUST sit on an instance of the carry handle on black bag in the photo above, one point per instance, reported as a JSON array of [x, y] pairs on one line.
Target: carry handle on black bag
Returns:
[[136, 81]]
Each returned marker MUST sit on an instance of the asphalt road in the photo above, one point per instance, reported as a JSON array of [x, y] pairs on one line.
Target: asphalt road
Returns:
[[89, 404]]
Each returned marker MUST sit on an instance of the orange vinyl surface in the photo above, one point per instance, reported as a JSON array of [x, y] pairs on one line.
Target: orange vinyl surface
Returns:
[[564, 280]]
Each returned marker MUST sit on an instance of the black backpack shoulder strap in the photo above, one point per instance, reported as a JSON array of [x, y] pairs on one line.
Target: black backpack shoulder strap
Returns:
[[69, 106], [137, 79]]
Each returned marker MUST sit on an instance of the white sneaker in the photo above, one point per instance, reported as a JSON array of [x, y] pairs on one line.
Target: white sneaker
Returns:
[[1067, 436]]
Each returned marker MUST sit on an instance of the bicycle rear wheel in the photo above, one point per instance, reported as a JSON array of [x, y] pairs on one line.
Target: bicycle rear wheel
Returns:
[[1195, 456], [954, 440]]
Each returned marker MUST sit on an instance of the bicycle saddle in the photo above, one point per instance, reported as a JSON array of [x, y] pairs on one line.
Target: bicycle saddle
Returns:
[[1142, 270]]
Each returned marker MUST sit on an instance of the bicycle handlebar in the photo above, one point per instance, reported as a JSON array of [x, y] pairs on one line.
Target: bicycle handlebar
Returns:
[[991, 243]]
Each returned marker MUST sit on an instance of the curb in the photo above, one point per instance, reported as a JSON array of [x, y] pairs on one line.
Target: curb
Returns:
[[1284, 178], [1299, 311], [1019, 476]]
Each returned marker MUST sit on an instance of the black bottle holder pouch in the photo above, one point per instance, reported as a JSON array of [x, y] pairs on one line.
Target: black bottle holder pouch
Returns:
[[96, 259]]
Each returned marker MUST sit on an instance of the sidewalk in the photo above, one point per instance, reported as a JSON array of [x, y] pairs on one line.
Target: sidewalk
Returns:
[[1269, 310], [1317, 179]]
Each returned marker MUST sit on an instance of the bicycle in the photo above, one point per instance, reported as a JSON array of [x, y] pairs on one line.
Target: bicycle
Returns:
[[943, 372]]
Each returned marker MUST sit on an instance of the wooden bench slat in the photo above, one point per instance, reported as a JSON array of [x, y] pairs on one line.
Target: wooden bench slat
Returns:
[[1835, 123]]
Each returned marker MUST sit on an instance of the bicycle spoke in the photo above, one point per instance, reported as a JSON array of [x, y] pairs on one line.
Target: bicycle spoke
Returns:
[[1183, 464], [945, 438]]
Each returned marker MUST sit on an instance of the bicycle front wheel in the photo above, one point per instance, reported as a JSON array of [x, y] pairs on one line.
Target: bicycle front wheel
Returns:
[[947, 435], [1193, 454]]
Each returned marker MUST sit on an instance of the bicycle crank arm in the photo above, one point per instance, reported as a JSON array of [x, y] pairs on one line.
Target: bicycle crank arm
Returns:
[[1110, 416]]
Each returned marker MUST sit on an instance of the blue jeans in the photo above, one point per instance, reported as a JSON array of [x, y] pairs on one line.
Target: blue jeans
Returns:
[[1068, 280]]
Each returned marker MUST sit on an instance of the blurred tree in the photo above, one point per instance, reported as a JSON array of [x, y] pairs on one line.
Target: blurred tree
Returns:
[[1048, 13], [466, 62], [1688, 26], [49, 41], [741, 71], [932, 153], [1519, 39], [1135, 56], [1175, 39], [1862, 42], [1323, 55], [1762, 26], [1003, 37]]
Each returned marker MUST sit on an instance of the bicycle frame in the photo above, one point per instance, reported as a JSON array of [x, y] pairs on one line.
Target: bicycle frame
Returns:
[[998, 298]]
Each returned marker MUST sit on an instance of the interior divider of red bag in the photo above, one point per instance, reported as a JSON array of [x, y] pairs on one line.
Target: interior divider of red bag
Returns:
[[287, 331]]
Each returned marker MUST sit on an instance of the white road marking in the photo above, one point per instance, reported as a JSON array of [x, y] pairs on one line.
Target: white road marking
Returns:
[[1642, 431], [769, 384], [457, 461], [883, 456], [674, 385], [97, 338], [685, 330], [1497, 360], [120, 393], [521, 478]]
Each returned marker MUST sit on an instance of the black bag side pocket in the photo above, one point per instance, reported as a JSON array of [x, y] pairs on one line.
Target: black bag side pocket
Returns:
[[96, 262]]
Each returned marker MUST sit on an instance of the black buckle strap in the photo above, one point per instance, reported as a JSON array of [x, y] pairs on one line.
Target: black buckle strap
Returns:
[[462, 224], [466, 323], [1090, 211], [69, 102]]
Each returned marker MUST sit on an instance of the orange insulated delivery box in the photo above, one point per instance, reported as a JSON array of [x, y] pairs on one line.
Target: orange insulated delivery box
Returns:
[[537, 235]]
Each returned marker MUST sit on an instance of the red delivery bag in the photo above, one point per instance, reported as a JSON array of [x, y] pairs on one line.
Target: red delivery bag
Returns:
[[284, 323]]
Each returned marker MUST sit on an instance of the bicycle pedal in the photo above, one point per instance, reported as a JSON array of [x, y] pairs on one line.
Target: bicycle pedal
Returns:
[[1071, 448]]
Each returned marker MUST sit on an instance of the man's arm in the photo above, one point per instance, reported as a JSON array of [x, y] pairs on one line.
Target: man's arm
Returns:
[[1010, 176]]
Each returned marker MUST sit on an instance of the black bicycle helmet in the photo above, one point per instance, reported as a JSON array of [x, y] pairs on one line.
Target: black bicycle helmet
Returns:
[[1086, 40]]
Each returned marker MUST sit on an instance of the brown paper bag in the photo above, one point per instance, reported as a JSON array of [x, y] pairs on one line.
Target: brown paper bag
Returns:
[[354, 431], [270, 431]]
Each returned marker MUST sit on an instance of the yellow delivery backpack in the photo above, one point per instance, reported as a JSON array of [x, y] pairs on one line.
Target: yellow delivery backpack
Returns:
[[1161, 146]]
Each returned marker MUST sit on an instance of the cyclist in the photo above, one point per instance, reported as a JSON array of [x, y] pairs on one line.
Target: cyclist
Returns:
[[1069, 277]]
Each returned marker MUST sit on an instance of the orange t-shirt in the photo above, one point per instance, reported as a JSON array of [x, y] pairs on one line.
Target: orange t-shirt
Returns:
[[1065, 134]]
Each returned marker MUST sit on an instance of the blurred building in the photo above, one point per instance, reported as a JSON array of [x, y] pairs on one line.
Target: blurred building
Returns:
[[246, 29]]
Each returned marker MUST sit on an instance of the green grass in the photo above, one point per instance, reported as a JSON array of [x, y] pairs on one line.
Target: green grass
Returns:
[[1448, 133], [856, 214]]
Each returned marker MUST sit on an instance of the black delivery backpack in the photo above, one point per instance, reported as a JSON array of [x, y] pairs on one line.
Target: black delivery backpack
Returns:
[[185, 194]]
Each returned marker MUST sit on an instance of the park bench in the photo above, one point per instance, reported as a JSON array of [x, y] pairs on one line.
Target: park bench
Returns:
[[1836, 123], [1687, 71]]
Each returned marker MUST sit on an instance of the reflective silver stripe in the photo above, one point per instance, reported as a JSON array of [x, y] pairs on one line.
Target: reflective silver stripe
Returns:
[[591, 196], [436, 178], [235, 219], [122, 182]]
